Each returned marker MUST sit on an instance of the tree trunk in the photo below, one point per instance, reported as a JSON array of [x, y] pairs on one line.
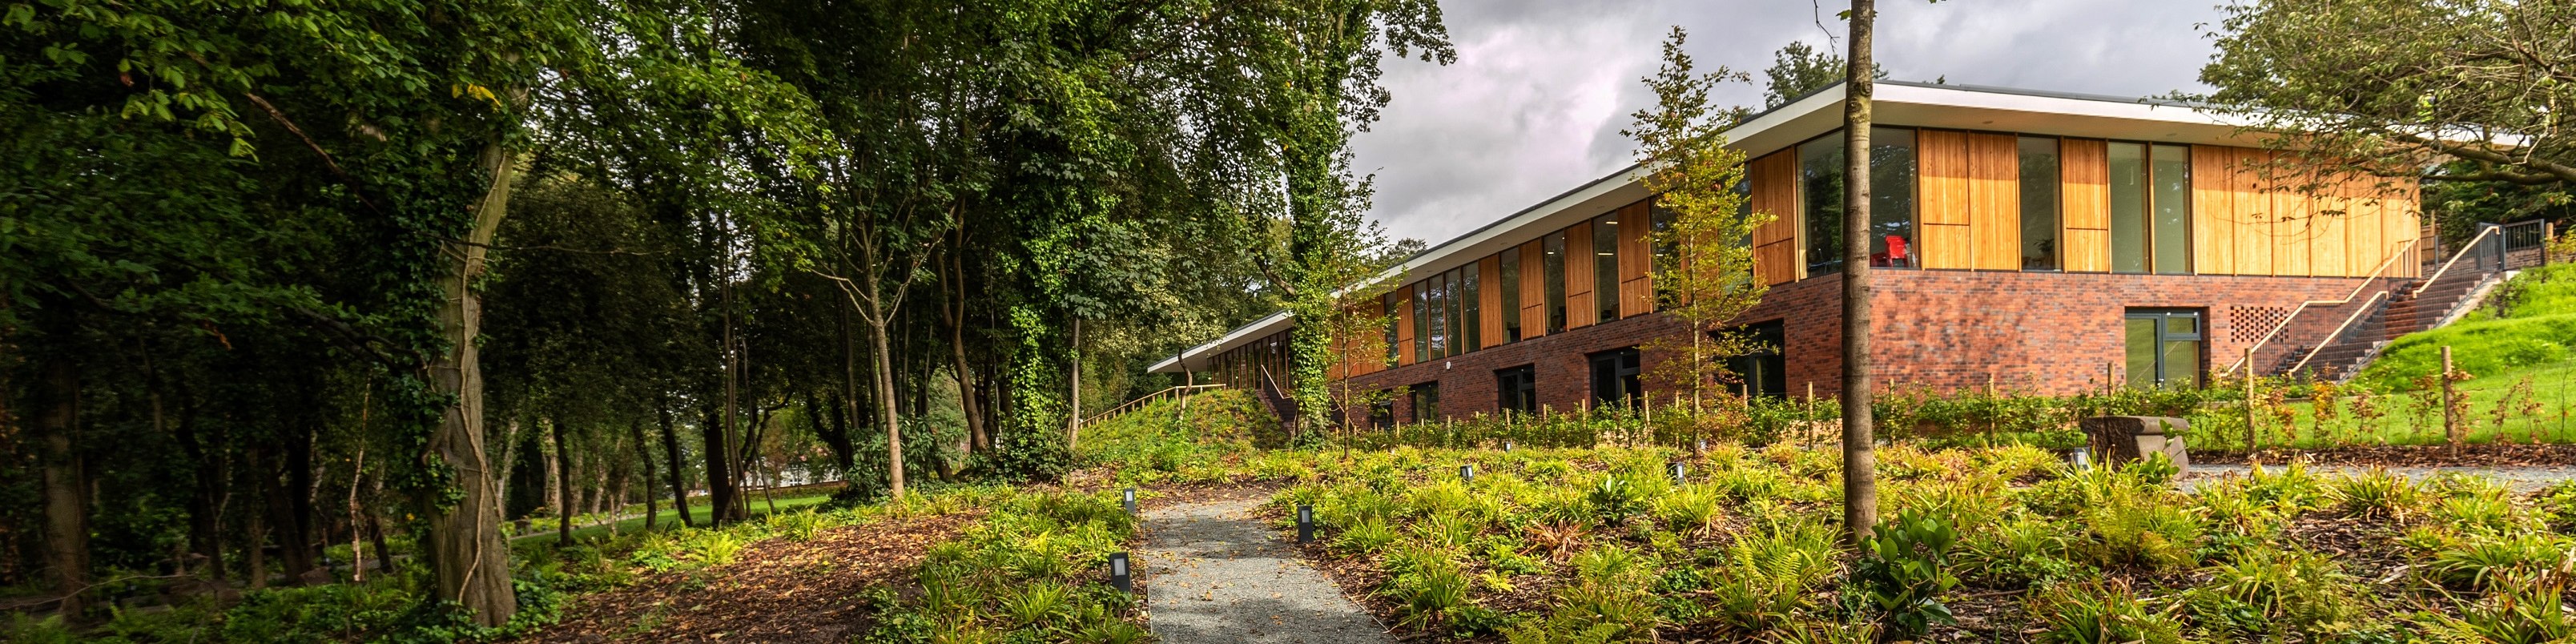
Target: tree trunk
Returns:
[[1860, 476], [886, 401], [954, 313], [1073, 399], [559, 468], [205, 536], [510, 439], [644, 456], [289, 506], [720, 490], [376, 529], [66, 483], [464, 545], [671, 457]]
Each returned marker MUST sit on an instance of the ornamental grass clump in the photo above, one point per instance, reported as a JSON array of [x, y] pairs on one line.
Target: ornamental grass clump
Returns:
[[2271, 593]]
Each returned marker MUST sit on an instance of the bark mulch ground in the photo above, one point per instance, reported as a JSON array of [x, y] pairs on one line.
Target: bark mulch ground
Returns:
[[776, 590]]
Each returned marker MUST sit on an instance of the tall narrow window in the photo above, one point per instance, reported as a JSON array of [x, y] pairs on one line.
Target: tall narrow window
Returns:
[[1471, 319], [1440, 322], [2163, 348], [1820, 189], [2039, 185], [1892, 169], [2172, 202], [1518, 389], [1605, 267], [1554, 248], [1422, 321], [2128, 207], [1511, 286]]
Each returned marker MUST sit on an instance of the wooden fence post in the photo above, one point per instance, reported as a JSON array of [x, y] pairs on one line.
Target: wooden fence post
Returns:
[[2248, 366], [2450, 415]]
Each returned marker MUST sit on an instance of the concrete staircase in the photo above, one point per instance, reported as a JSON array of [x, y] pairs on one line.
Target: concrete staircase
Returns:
[[2411, 306]]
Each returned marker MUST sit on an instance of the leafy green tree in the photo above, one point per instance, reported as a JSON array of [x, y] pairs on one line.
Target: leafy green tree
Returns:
[[1704, 277]]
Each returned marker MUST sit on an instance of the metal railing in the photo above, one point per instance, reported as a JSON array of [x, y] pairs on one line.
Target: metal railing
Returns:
[[2357, 315], [1178, 391], [2491, 259], [2375, 276]]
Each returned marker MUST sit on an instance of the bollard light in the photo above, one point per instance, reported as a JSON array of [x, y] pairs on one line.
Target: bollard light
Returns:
[[1128, 499], [1701, 445], [1467, 474], [1305, 524], [1507, 447], [1675, 468], [1118, 573]]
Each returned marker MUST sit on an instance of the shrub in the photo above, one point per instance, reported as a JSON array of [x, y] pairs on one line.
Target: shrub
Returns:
[[1905, 570], [2274, 592], [1367, 536]]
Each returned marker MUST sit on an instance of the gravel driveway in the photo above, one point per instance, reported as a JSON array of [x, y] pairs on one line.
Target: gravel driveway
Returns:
[[1215, 574]]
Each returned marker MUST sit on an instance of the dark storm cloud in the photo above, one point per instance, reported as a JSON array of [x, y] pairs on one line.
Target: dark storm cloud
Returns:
[[1541, 89]]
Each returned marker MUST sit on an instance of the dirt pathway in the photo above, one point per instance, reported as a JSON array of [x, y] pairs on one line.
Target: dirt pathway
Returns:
[[1214, 573], [778, 590]]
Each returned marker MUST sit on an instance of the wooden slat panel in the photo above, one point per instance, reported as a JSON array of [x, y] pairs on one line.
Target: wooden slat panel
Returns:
[[1774, 179], [1404, 326], [1578, 277], [1775, 263], [1533, 290], [1942, 181], [1636, 260], [2291, 232], [2251, 211], [2332, 217], [2213, 211], [1946, 246], [2084, 198], [1994, 188], [1489, 301]]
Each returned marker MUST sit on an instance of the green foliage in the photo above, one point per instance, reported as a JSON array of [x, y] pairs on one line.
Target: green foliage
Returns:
[[2532, 611], [1767, 574], [2102, 613], [2271, 592], [2019, 553], [1905, 569]]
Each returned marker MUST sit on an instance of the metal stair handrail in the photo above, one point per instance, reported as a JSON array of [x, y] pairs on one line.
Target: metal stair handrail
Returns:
[[2338, 332], [2472, 245], [2376, 274], [1140, 401]]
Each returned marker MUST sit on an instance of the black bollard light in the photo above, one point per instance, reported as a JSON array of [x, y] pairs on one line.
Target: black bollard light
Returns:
[[1305, 524], [1129, 499], [1675, 468], [1467, 474], [1118, 573], [1507, 447]]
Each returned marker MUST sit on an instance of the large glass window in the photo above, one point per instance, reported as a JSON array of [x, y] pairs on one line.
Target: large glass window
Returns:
[[1765, 371], [1421, 322], [1518, 387], [1511, 295], [1439, 287], [1615, 378], [1471, 321], [2164, 348], [2172, 201], [2039, 186], [2150, 208], [1605, 267], [1892, 174], [1554, 249], [1394, 307]]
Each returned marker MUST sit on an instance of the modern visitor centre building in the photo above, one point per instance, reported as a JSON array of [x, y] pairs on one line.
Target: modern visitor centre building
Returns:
[[2031, 241]]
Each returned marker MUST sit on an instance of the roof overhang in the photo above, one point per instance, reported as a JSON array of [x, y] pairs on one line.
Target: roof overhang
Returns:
[[1895, 104]]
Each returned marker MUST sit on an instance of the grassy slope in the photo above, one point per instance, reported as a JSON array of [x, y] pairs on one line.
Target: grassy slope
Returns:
[[2533, 340]]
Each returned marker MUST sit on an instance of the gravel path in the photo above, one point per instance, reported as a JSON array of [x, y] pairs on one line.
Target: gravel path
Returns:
[[1216, 574], [2522, 479]]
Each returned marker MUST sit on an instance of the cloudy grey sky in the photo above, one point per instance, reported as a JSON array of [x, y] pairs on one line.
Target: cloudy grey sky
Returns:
[[1542, 87]]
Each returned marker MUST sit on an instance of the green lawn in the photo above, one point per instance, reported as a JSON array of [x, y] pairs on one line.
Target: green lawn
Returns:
[[2524, 349]]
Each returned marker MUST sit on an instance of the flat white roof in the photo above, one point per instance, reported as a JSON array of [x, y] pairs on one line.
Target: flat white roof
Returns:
[[1897, 104]]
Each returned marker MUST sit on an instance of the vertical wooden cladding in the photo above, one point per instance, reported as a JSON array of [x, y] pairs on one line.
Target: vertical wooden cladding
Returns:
[[1969, 196], [1354, 362], [1533, 290], [1636, 259], [1775, 191], [1579, 276], [2252, 218], [1489, 301], [2084, 199], [1404, 327]]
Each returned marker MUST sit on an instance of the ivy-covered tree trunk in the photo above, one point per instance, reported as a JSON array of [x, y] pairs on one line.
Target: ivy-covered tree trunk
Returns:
[[66, 490], [471, 564]]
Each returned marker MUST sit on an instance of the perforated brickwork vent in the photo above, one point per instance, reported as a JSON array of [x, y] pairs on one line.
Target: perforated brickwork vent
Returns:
[[2254, 321]]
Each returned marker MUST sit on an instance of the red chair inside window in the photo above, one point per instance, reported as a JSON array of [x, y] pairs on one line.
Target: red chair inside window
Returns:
[[1895, 255]]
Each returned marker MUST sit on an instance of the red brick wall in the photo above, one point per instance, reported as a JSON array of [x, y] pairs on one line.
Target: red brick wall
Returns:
[[2033, 332]]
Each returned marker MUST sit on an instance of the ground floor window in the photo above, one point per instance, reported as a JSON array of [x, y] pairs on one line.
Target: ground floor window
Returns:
[[1426, 402], [2164, 347], [1614, 378], [1765, 371], [1382, 413], [1518, 387]]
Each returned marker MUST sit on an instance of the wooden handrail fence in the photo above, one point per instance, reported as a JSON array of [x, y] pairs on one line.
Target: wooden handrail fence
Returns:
[[1178, 391]]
